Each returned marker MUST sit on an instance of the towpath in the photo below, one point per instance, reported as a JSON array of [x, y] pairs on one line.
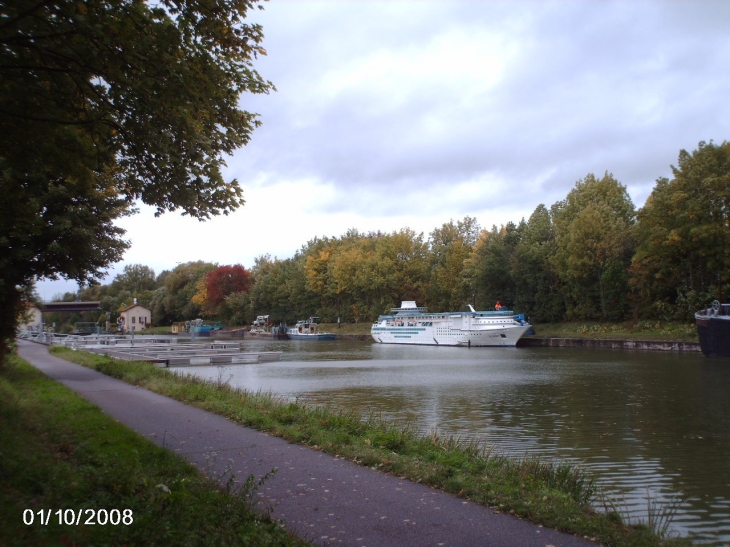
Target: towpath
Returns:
[[325, 499]]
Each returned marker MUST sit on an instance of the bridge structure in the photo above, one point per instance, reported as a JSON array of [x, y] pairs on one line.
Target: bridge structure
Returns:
[[92, 305]]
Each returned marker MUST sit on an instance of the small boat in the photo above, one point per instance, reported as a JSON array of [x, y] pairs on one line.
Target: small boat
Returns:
[[713, 330], [276, 333], [411, 324], [307, 330]]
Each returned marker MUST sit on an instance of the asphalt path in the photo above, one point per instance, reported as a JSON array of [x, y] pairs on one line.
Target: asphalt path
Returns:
[[324, 499]]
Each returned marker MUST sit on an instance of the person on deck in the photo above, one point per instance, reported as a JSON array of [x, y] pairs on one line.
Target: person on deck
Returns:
[[498, 306]]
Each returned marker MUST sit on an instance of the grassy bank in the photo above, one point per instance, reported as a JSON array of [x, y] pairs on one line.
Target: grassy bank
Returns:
[[553, 494], [157, 330], [58, 451], [640, 330], [346, 328]]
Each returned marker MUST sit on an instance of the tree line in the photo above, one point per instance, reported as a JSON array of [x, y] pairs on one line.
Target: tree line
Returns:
[[590, 256]]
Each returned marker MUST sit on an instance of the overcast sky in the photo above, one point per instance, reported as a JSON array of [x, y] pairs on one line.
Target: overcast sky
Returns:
[[408, 113]]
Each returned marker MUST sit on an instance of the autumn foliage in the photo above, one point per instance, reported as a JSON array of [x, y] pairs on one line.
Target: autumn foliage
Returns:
[[226, 280]]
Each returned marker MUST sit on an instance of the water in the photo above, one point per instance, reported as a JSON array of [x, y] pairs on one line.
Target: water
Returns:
[[654, 427]]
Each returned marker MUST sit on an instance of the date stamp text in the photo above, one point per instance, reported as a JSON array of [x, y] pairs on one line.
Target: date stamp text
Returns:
[[77, 517]]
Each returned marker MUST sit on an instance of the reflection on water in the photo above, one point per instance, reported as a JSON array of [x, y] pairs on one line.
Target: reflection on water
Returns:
[[648, 424]]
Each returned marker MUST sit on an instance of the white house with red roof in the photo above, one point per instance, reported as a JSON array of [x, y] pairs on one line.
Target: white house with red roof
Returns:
[[134, 318]]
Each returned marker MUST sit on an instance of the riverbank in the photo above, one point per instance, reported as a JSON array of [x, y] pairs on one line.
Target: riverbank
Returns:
[[555, 495], [646, 335], [61, 452], [647, 331], [600, 343]]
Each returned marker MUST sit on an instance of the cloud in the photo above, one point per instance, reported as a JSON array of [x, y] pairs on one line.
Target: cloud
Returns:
[[426, 97], [409, 113]]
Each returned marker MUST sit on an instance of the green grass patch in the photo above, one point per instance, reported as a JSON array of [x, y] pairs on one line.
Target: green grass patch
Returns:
[[555, 494], [346, 328], [57, 451], [157, 330], [630, 330]]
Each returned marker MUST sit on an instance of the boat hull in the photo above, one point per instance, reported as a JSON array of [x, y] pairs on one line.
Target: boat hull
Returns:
[[714, 335], [271, 335], [317, 336], [425, 336]]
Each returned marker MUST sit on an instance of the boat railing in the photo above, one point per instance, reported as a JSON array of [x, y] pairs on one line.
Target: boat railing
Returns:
[[489, 313], [715, 310], [408, 311]]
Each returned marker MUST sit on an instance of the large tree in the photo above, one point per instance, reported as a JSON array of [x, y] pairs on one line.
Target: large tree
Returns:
[[223, 281], [683, 257], [279, 290], [489, 266], [450, 287], [594, 245], [175, 299], [104, 103], [537, 284]]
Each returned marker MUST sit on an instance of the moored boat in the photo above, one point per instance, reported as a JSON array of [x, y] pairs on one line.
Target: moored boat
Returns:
[[713, 330], [411, 324], [262, 327], [306, 329]]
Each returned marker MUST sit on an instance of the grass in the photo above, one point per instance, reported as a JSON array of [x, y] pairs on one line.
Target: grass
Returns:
[[653, 330], [157, 330], [554, 494], [57, 451], [346, 328]]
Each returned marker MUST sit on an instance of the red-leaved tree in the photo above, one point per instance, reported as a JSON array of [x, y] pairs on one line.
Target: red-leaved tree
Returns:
[[225, 280]]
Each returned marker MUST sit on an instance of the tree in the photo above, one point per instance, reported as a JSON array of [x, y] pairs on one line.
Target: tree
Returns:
[[449, 288], [106, 102], [136, 278], [594, 247], [318, 261], [236, 308], [537, 284], [489, 267], [181, 285], [374, 272], [223, 281], [683, 234], [279, 289], [403, 258]]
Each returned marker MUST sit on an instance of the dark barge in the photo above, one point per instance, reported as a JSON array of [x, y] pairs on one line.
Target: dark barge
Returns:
[[713, 330]]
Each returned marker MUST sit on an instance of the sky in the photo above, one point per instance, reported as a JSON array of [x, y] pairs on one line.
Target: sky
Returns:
[[407, 113]]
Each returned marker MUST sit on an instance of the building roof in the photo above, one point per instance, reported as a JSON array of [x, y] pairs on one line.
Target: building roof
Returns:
[[134, 306]]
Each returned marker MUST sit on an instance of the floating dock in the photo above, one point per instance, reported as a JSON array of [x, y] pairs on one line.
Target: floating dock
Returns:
[[167, 352]]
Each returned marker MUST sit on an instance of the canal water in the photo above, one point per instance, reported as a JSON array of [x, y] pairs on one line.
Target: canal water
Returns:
[[653, 427]]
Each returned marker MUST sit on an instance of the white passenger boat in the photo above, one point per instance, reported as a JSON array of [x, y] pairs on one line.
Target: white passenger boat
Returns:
[[410, 324]]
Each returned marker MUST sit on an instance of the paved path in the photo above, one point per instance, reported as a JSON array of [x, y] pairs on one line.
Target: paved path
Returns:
[[327, 500]]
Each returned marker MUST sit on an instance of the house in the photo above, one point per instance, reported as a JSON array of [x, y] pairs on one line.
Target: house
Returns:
[[134, 318], [32, 319]]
